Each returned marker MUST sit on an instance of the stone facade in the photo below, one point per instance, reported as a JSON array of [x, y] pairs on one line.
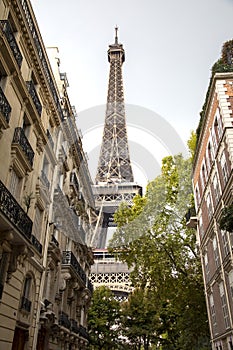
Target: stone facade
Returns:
[[47, 211], [213, 186]]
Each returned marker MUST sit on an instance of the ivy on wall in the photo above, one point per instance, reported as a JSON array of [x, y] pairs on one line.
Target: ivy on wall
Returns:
[[223, 65]]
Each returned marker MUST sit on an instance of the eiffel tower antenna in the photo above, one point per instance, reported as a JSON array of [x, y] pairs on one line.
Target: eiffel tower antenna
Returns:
[[116, 37], [114, 178]]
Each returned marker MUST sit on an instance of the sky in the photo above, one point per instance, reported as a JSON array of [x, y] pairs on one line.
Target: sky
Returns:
[[170, 47]]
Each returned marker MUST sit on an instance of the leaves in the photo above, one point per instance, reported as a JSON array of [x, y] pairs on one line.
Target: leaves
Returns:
[[103, 319], [152, 237], [226, 220]]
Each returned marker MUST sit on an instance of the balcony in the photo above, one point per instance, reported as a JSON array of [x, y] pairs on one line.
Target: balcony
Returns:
[[6, 29], [74, 326], [34, 96], [36, 244], [21, 145], [83, 332], [25, 304], [64, 214], [64, 320], [14, 213], [191, 218], [5, 110], [69, 259], [40, 51]]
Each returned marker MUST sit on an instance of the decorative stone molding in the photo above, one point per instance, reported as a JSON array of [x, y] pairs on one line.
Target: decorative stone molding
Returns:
[[18, 255], [63, 281]]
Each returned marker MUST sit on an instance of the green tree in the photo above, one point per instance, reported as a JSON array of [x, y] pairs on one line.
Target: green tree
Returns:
[[226, 219], [139, 319], [103, 320], [153, 238]]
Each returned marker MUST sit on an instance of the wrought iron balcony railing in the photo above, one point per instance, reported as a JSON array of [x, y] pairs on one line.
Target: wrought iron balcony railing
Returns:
[[36, 244], [20, 139], [26, 304], [6, 29], [64, 320], [14, 213], [5, 107], [34, 96], [69, 259], [83, 332], [74, 326], [41, 55]]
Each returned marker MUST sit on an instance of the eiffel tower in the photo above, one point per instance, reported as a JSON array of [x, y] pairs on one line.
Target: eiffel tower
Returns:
[[114, 180]]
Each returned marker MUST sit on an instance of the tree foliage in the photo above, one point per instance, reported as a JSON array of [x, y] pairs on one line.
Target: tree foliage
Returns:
[[103, 320], [153, 238], [138, 320], [226, 220]]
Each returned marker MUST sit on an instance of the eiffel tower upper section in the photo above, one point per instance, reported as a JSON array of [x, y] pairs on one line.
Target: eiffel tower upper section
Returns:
[[114, 161], [114, 180]]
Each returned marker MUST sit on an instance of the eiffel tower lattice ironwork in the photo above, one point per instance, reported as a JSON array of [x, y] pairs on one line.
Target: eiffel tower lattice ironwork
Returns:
[[114, 179]]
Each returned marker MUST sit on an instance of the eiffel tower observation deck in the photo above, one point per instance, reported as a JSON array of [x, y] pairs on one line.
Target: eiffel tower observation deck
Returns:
[[114, 180]]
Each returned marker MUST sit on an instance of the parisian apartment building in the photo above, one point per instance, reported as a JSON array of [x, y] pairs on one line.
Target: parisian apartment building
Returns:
[[213, 191], [47, 213]]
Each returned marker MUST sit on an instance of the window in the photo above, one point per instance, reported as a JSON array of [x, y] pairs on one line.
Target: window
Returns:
[[203, 176], [214, 140], [209, 156], [210, 151], [45, 166], [197, 196], [216, 188], [207, 268], [230, 277], [212, 312], [15, 185], [37, 225], [209, 206], [218, 124], [230, 347], [3, 270], [201, 228], [25, 300], [216, 252], [224, 167], [224, 305], [26, 126], [225, 242]]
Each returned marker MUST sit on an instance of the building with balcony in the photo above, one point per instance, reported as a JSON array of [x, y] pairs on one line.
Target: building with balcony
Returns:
[[213, 189], [47, 214]]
